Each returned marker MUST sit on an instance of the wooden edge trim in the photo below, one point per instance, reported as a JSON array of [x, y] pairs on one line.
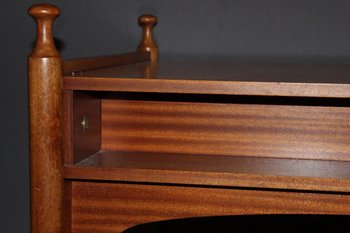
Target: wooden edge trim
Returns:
[[207, 178], [92, 63], [323, 90]]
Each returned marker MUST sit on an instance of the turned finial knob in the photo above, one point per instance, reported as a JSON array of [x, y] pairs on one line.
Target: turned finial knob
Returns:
[[44, 11], [147, 44], [44, 16], [148, 19]]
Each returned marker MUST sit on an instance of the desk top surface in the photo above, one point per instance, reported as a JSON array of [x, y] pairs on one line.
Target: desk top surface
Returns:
[[226, 71]]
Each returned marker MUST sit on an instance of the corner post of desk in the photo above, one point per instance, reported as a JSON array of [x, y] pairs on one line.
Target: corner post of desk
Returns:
[[45, 125]]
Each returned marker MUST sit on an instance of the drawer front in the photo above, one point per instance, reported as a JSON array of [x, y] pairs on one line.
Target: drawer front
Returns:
[[113, 207], [310, 132]]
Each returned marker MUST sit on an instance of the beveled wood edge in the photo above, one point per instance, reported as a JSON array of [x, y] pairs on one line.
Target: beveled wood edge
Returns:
[[324, 90], [80, 65], [207, 178]]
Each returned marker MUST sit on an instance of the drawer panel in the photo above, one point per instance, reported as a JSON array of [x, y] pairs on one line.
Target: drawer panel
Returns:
[[113, 207], [309, 132]]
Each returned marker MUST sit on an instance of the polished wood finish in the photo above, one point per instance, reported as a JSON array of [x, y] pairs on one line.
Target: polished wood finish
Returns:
[[214, 170], [305, 132], [147, 44], [44, 16], [195, 77], [209, 87], [45, 105], [76, 67], [148, 140], [112, 208], [203, 70]]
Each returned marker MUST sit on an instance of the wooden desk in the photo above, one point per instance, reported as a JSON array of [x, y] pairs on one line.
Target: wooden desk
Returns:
[[127, 139]]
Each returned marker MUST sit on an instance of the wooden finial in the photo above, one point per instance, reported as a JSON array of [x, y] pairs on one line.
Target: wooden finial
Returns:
[[147, 44], [44, 16]]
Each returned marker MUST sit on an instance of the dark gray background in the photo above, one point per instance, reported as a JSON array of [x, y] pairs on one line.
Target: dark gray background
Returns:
[[241, 30]]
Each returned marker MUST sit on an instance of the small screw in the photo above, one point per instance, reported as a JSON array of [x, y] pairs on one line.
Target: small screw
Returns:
[[77, 73], [85, 123]]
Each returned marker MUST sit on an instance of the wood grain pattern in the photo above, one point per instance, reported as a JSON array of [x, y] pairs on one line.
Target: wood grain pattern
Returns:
[[78, 66], [214, 170], [168, 159], [111, 208], [226, 129], [324, 90], [45, 126]]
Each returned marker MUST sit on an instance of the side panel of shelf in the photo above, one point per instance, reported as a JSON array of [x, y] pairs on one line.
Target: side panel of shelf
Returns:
[[254, 130], [112, 207], [86, 125]]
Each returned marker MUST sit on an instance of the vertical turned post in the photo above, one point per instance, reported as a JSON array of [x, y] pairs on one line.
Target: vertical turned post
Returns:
[[147, 44], [45, 123]]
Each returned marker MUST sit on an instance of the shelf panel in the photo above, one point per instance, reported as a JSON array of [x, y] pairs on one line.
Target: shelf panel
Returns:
[[274, 131], [297, 174], [200, 77]]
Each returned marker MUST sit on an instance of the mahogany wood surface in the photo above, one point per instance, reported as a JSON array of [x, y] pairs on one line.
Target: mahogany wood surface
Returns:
[[214, 170], [75, 67], [142, 158], [199, 77], [202, 70], [45, 113], [308, 132], [112, 207]]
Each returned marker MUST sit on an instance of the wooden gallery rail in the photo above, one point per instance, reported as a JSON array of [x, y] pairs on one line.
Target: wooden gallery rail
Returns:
[[121, 140]]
